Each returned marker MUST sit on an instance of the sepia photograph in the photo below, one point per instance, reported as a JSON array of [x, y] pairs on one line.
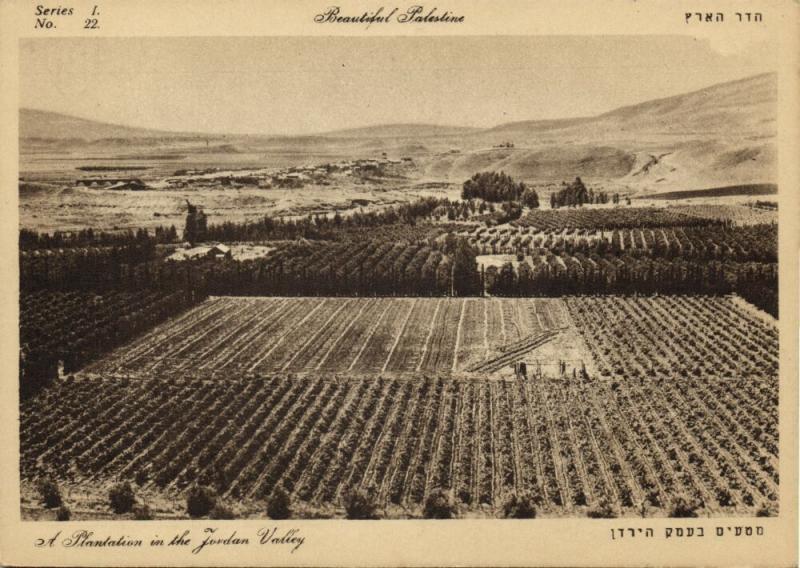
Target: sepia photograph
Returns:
[[385, 278], [382, 284]]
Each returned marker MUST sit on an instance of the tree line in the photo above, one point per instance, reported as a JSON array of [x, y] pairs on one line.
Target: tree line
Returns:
[[375, 267], [498, 187], [554, 275], [326, 227], [576, 194], [74, 328], [33, 240], [757, 243]]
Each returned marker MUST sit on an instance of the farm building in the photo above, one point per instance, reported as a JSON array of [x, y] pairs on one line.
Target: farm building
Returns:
[[219, 251], [189, 252]]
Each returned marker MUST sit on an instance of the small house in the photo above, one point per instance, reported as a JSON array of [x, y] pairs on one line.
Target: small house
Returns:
[[219, 251]]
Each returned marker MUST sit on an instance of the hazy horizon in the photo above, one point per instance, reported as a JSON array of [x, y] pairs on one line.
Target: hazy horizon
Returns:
[[252, 85]]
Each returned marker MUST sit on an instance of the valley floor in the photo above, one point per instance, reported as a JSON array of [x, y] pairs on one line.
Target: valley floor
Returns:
[[661, 398]]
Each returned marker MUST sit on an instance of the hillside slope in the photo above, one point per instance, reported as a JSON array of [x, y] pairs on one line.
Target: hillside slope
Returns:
[[743, 107], [402, 131], [721, 135], [43, 124]]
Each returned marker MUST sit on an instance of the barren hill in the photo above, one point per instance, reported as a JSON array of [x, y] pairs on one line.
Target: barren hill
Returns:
[[743, 107], [721, 135], [403, 131], [46, 125]]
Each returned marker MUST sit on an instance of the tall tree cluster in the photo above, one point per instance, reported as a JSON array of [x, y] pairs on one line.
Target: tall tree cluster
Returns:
[[559, 275], [332, 227], [576, 194], [498, 187], [33, 240], [196, 229]]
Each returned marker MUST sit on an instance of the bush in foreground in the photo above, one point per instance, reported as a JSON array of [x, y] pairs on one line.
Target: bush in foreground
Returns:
[[63, 513], [222, 512], [359, 504], [200, 500], [279, 506], [603, 510], [765, 511], [439, 505], [682, 509], [121, 498], [520, 507], [49, 492], [141, 512], [141, 477]]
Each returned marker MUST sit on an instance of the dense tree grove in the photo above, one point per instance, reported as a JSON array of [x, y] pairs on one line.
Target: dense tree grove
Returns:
[[74, 328], [577, 194], [771, 205], [497, 187], [101, 270], [754, 243], [329, 227], [549, 274], [32, 240], [133, 260], [605, 219], [196, 229], [509, 211], [374, 267]]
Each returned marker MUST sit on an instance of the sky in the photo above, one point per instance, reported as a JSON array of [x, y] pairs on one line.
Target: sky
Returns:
[[290, 85]]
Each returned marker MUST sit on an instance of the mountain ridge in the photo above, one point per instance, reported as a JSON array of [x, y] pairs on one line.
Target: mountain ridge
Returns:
[[45, 125], [720, 135]]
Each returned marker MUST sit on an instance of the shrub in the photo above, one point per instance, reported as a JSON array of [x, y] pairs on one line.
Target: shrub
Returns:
[[200, 500], [222, 511], [279, 506], [682, 509], [360, 504], [63, 513], [603, 510], [626, 497], [765, 511], [141, 512], [121, 498], [439, 505], [49, 492], [520, 507], [141, 477]]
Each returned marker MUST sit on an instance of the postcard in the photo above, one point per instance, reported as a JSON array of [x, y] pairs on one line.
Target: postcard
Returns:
[[372, 284]]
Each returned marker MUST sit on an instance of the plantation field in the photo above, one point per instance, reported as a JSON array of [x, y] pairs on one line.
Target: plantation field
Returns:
[[726, 191], [658, 337], [574, 444], [677, 400], [739, 214], [347, 336], [754, 242]]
